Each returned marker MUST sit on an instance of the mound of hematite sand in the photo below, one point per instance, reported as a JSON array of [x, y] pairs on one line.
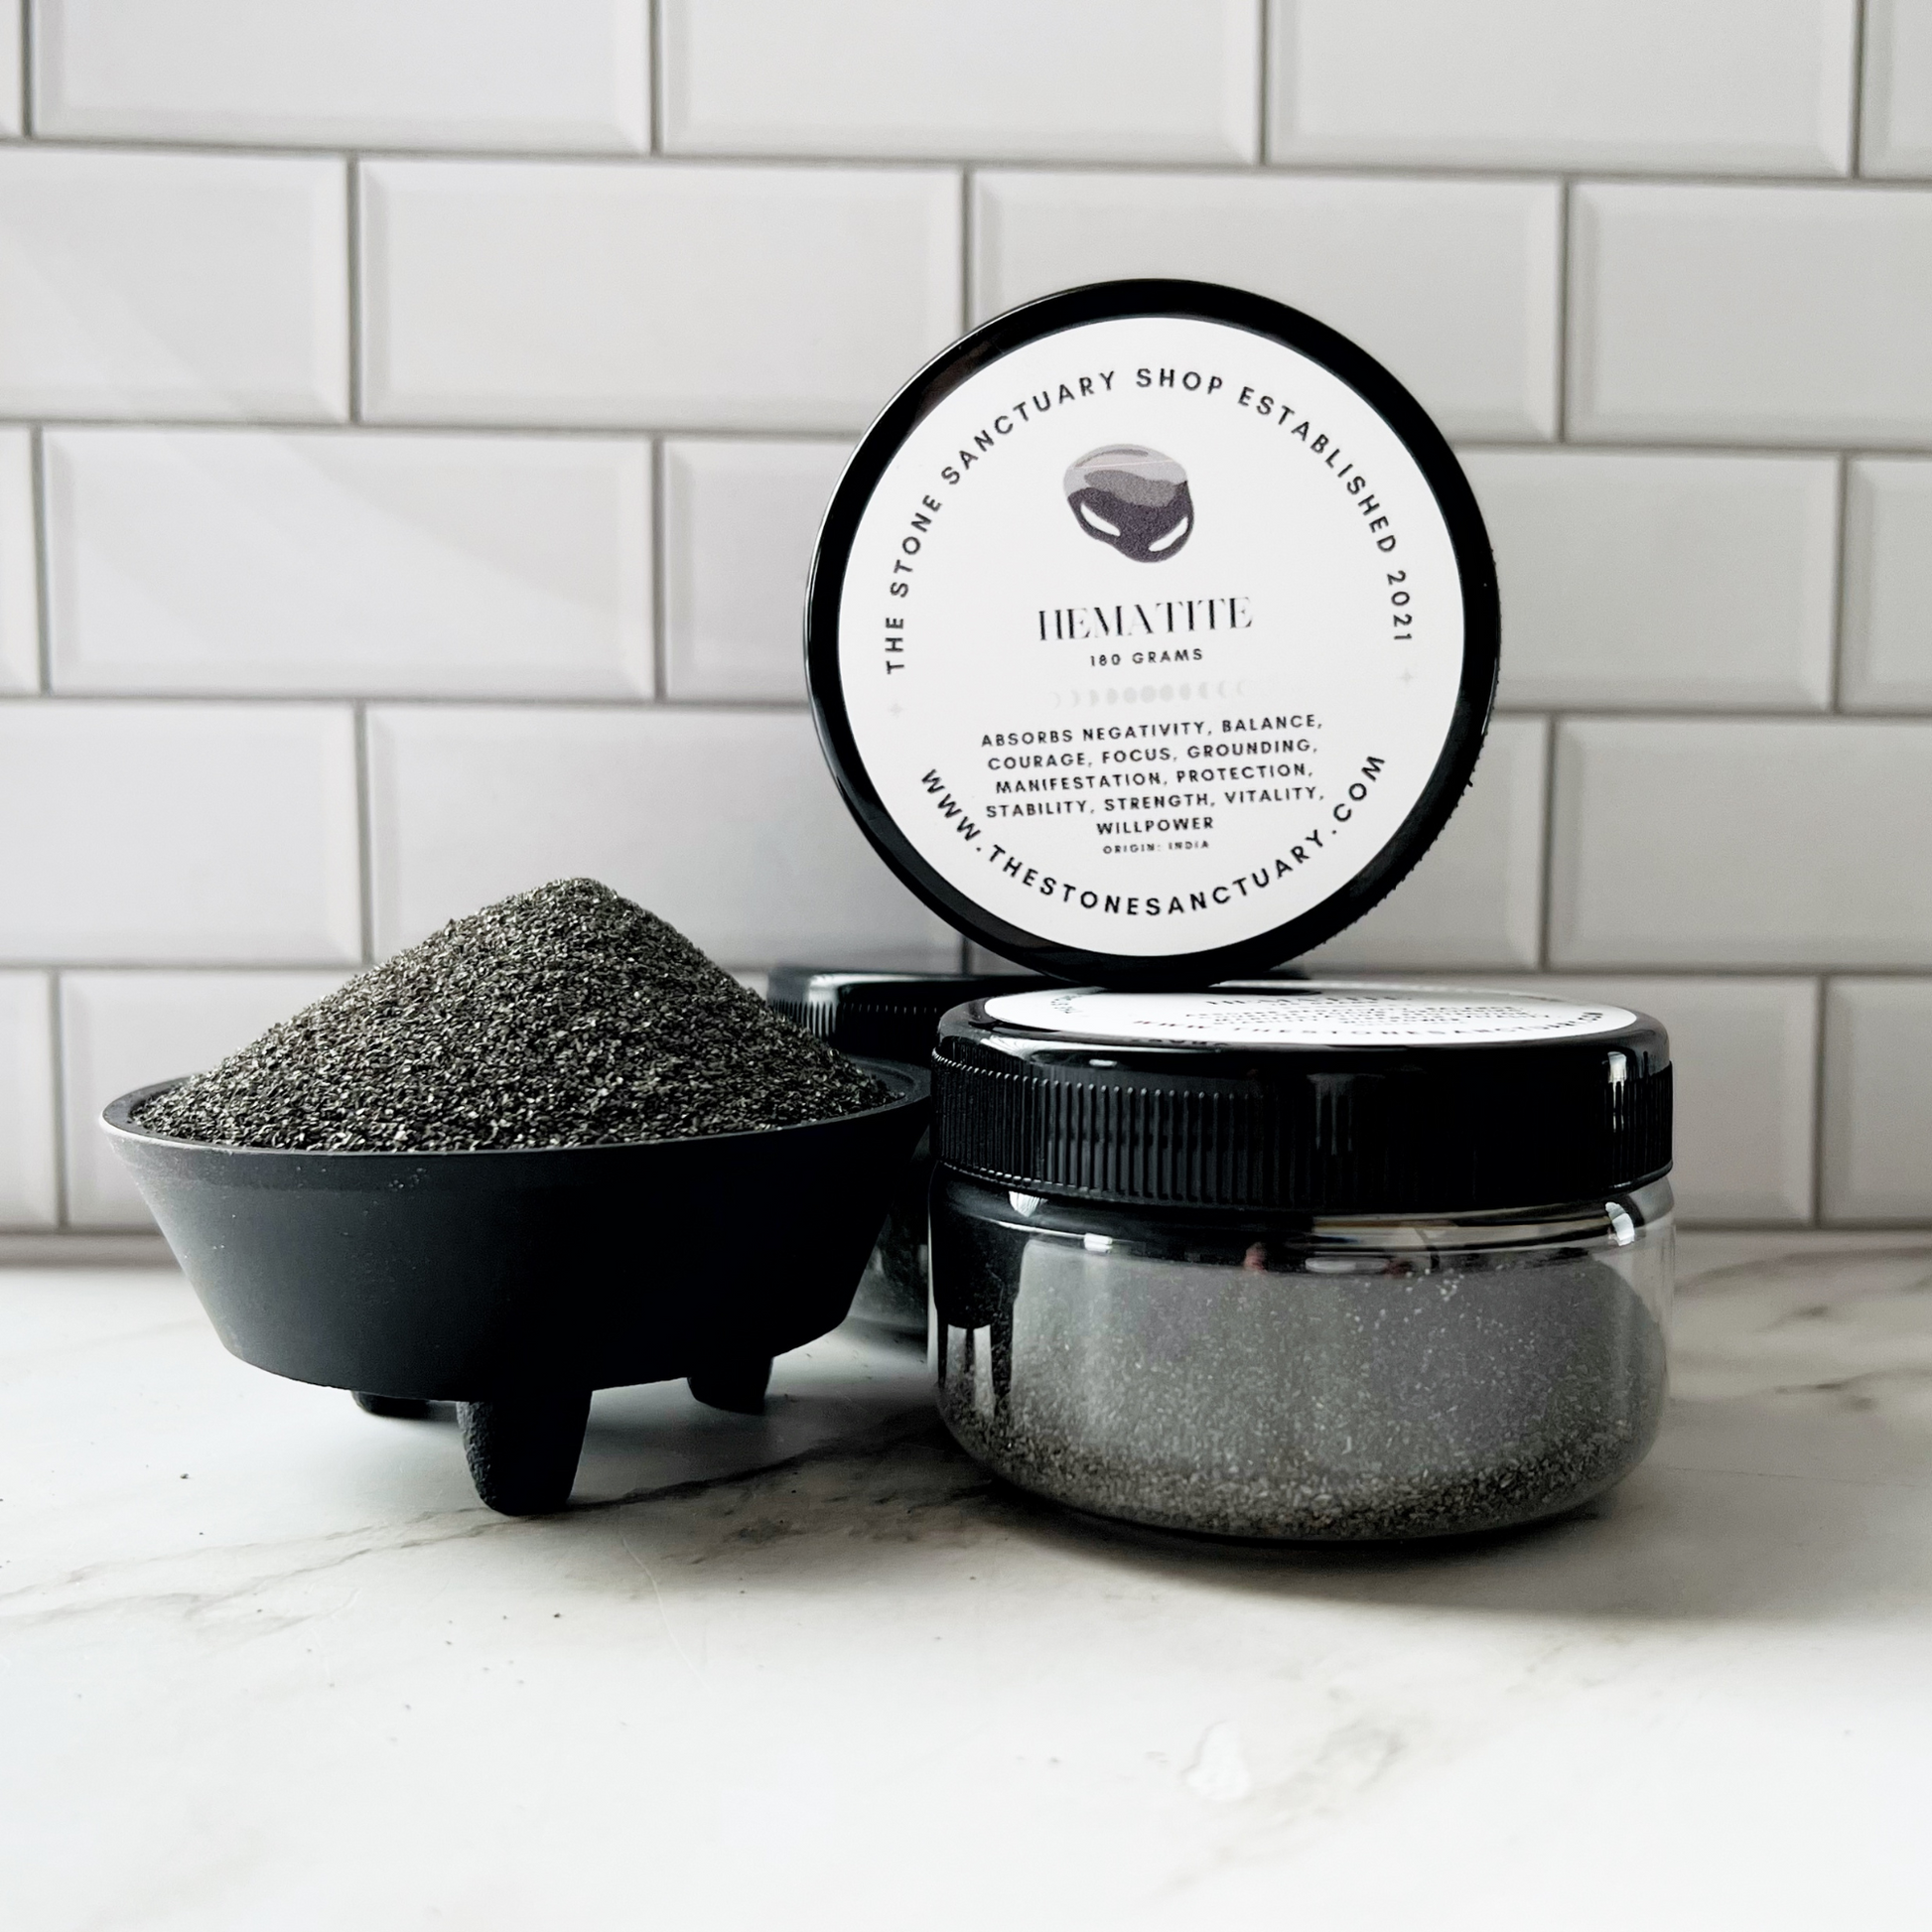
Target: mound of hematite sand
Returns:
[[564, 1017]]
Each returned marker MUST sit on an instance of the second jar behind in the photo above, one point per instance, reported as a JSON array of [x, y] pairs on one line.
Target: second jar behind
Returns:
[[889, 1016]]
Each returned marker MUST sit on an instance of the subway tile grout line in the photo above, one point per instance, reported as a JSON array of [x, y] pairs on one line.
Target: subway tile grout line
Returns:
[[260, 426], [27, 56], [1546, 919], [364, 836], [1854, 158], [534, 701], [1654, 446], [848, 436], [1264, 56], [661, 635], [1422, 173], [32, 1247], [253, 968], [1566, 190], [654, 75], [43, 561], [1678, 970], [968, 238], [1516, 973], [58, 1062], [1734, 711], [1840, 585], [1525, 172], [353, 234], [1822, 999]]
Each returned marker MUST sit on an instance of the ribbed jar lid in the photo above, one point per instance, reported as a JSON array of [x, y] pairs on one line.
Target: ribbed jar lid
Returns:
[[1320, 1097], [885, 1016]]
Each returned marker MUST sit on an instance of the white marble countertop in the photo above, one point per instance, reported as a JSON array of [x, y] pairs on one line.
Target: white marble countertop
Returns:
[[265, 1662]]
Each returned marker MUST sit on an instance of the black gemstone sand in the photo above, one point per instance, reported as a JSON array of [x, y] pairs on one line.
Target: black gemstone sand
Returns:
[[1483, 1392], [564, 1017]]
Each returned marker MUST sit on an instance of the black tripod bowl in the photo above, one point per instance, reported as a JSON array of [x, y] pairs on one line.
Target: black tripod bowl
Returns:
[[516, 1281]]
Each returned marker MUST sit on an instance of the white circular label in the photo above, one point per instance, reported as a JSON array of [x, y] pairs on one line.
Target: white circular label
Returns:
[[1151, 635], [1309, 1012]]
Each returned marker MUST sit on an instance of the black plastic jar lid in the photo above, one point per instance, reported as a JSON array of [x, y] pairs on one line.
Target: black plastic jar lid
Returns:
[[882, 1016], [893, 1016], [1151, 633], [1324, 1097]]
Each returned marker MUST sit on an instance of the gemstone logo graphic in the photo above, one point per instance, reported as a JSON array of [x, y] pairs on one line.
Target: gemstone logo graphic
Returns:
[[1134, 499]]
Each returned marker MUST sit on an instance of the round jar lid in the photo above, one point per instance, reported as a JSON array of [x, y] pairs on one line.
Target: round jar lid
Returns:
[[1151, 633], [893, 1016], [1322, 1097], [882, 1016]]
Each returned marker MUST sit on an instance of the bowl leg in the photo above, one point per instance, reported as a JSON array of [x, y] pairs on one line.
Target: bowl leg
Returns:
[[400, 1408], [734, 1382], [523, 1450]]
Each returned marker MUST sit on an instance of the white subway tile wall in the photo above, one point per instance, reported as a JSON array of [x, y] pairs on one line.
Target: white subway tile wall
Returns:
[[1454, 284], [385, 73], [659, 294], [172, 285], [178, 833], [120, 1030], [415, 416], [740, 522], [1744, 1054], [1766, 843], [20, 614], [1888, 585], [1663, 581], [12, 97], [1877, 1101], [30, 1194], [1744, 1065], [1744, 86], [347, 563], [1898, 122], [1475, 898], [999, 80], [725, 822], [1756, 314]]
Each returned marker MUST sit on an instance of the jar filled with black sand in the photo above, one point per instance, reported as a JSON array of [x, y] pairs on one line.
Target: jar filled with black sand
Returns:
[[1152, 638], [1324, 1261]]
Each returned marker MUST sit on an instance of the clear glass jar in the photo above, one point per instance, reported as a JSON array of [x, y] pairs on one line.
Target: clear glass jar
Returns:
[[1177, 1277], [1296, 1376]]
